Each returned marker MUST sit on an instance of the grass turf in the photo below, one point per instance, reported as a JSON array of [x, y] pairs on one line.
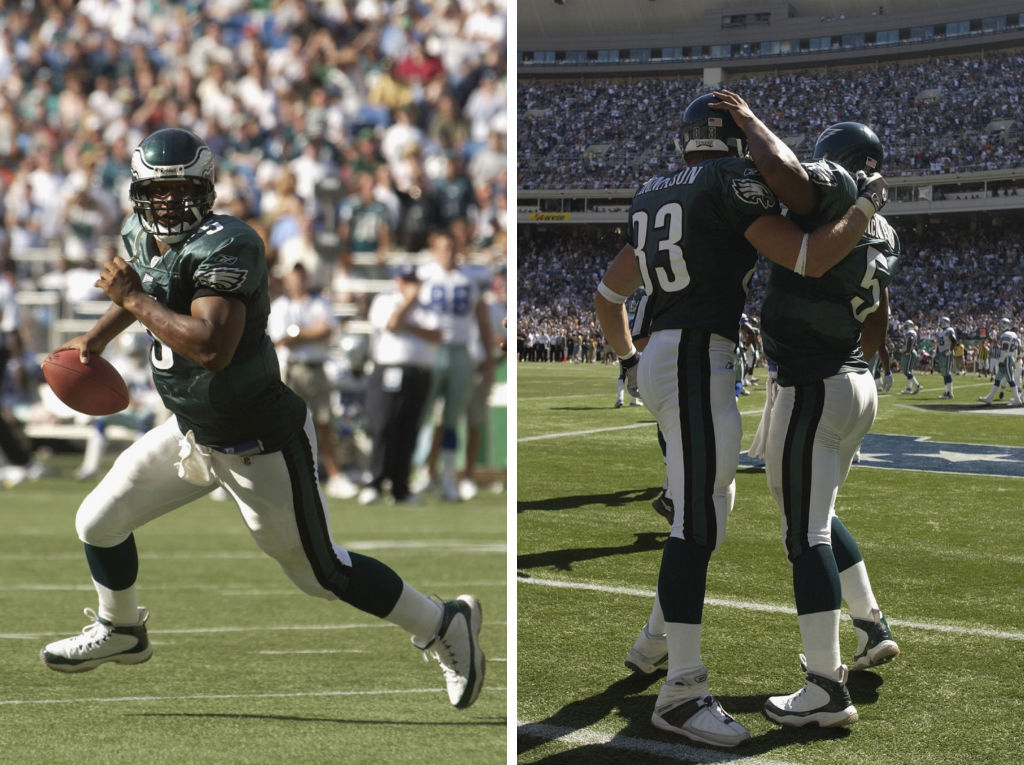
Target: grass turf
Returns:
[[246, 669], [943, 551]]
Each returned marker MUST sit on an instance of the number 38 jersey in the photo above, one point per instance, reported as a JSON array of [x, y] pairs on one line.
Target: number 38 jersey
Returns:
[[246, 401], [812, 327], [687, 231]]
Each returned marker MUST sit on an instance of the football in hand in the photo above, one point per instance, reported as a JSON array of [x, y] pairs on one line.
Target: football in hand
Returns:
[[96, 388]]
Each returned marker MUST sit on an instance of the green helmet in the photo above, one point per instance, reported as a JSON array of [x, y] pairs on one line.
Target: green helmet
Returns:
[[172, 155], [852, 145], [707, 129]]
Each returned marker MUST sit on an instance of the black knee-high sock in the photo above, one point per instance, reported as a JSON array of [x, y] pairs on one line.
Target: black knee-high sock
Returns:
[[116, 567]]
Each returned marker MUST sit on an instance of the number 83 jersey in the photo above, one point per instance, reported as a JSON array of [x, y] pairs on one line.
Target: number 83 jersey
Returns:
[[687, 231], [246, 400]]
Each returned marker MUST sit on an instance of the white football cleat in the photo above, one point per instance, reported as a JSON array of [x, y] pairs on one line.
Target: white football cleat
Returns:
[[823, 702], [686, 707], [457, 648], [874, 642], [99, 643]]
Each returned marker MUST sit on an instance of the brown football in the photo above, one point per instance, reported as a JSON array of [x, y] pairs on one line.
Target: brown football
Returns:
[[96, 388]]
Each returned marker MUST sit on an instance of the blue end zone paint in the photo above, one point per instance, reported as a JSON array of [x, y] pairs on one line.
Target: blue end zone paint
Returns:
[[918, 453]]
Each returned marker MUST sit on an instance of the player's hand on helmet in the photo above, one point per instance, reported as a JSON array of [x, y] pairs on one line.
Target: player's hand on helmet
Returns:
[[629, 368], [729, 101], [873, 188], [886, 382]]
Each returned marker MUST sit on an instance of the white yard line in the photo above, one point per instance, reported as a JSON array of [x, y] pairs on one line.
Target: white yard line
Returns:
[[229, 696], [638, 746], [751, 606]]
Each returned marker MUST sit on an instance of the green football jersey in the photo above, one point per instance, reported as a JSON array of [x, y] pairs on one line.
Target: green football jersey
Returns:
[[246, 401], [812, 327], [687, 229]]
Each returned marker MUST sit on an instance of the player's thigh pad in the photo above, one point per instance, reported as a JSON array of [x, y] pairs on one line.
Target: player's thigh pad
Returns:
[[815, 431], [142, 484], [686, 379], [281, 502]]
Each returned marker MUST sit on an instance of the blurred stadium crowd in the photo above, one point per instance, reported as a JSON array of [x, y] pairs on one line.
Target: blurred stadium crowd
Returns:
[[344, 131], [946, 115], [973, 274]]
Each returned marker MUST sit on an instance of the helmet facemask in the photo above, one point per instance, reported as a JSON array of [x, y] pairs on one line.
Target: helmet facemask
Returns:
[[172, 183], [170, 217]]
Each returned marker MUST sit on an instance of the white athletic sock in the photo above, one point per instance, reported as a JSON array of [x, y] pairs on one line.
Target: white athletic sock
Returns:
[[820, 635], [416, 614], [656, 622], [119, 607], [683, 649], [857, 591]]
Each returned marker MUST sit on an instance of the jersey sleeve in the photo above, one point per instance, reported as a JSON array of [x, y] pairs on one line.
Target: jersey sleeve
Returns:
[[230, 262], [745, 194]]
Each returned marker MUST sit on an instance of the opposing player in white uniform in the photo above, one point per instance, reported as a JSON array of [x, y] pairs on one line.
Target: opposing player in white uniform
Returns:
[[908, 360], [455, 298], [694, 235], [1006, 350], [944, 354]]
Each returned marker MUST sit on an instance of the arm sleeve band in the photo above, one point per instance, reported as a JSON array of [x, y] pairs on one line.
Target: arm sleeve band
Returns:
[[611, 295], [801, 260], [865, 206]]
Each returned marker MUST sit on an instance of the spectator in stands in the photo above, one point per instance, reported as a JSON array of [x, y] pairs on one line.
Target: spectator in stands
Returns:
[[301, 325], [404, 351]]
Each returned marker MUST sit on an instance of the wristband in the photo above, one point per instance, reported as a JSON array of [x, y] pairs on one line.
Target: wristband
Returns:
[[611, 295], [866, 206], [629, 355], [800, 267]]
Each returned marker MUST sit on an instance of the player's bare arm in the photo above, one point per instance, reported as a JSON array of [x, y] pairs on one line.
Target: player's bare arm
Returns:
[[115, 321], [872, 333], [783, 242], [621, 279], [208, 336], [776, 162]]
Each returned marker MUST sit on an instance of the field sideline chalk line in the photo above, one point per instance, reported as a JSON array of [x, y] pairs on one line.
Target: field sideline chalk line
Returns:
[[749, 606]]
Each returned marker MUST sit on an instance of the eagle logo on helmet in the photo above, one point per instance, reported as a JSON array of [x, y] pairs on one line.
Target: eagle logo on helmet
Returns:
[[944, 322]]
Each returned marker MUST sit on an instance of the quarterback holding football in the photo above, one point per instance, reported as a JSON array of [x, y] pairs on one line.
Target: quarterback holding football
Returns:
[[198, 282]]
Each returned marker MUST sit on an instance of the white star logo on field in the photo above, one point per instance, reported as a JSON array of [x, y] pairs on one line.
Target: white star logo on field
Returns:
[[964, 457]]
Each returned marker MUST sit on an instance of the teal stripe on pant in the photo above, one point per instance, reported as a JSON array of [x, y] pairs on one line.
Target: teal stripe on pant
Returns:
[[700, 522], [797, 460]]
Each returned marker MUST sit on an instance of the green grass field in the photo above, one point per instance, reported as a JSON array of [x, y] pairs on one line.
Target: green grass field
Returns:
[[943, 548], [246, 668]]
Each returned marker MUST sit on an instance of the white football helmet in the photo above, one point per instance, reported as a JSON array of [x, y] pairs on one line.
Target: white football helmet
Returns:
[[908, 324], [1004, 324], [944, 322]]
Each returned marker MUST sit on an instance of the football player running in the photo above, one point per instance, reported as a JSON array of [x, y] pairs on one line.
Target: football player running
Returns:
[[944, 353], [1006, 349], [821, 332], [694, 235], [909, 357], [198, 282]]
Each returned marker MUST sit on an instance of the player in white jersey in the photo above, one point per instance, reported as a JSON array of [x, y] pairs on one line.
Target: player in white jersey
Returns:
[[454, 297], [909, 358], [944, 357], [1006, 349]]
